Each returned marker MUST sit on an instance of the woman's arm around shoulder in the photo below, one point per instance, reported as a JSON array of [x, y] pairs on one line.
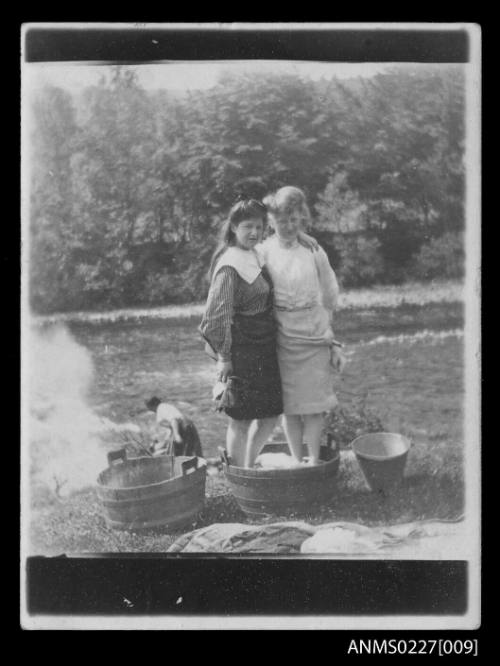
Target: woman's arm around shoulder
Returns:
[[327, 279], [308, 241]]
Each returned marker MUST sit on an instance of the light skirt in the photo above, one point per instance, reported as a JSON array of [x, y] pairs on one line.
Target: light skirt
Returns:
[[307, 376]]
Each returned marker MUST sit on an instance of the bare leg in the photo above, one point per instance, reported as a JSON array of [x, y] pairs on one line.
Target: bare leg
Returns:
[[313, 427], [294, 427], [259, 433], [236, 438]]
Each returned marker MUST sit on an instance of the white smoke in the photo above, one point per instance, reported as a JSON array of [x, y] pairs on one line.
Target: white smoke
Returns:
[[66, 450]]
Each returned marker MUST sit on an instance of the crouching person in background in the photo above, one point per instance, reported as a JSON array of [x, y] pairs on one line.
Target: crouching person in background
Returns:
[[179, 431]]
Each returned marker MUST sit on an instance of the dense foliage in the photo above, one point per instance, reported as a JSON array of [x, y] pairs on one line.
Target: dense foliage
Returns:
[[129, 187]]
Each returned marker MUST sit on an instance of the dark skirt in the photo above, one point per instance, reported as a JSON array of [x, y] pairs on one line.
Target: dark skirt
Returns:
[[257, 383]]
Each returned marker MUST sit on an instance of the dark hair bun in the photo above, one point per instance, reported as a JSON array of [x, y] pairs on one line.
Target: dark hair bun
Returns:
[[250, 188], [152, 403]]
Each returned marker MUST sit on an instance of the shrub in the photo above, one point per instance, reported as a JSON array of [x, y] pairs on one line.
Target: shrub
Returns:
[[158, 288], [442, 257], [348, 422], [360, 262]]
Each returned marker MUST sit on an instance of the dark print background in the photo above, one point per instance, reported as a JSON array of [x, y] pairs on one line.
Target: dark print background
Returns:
[[129, 171]]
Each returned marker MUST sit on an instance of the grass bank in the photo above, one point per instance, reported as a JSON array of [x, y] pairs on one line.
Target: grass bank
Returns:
[[383, 296], [405, 364]]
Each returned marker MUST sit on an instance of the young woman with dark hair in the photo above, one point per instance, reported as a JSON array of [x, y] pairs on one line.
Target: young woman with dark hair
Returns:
[[240, 331]]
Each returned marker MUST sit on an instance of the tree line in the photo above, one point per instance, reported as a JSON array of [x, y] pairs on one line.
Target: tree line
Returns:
[[129, 187]]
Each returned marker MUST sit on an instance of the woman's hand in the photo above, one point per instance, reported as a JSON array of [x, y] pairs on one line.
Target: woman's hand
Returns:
[[224, 370], [307, 241], [337, 359]]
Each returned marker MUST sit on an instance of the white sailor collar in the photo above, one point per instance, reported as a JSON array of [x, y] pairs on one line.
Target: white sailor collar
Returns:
[[245, 262]]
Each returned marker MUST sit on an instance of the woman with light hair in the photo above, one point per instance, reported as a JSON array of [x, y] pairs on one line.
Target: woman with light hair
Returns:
[[305, 298]]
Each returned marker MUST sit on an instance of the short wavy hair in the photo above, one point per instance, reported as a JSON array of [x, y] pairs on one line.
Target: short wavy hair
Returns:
[[287, 199]]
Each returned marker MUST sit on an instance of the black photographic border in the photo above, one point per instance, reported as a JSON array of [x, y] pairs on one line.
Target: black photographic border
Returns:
[[277, 586]]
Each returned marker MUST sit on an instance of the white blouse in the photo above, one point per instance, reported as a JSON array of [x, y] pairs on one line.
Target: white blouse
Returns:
[[301, 278]]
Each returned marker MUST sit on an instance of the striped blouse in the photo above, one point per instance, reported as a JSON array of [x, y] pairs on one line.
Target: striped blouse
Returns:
[[230, 294]]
